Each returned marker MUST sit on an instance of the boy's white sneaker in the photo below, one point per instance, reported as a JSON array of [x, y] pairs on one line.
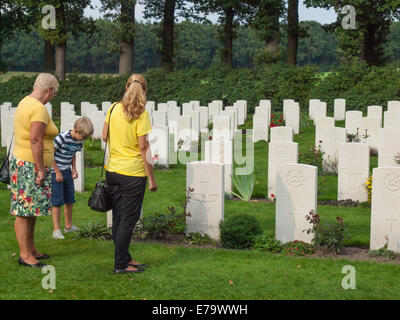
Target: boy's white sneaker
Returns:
[[58, 235], [72, 229]]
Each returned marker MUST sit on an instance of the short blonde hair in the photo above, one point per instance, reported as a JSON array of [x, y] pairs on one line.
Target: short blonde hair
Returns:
[[84, 126], [45, 81]]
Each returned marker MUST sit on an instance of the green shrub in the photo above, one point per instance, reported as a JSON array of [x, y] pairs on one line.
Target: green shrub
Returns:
[[312, 157], [327, 236], [93, 231], [239, 232], [159, 226], [265, 242], [297, 248], [198, 238]]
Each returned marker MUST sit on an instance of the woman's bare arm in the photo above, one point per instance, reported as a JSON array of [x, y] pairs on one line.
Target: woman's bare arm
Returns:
[[38, 130], [145, 152]]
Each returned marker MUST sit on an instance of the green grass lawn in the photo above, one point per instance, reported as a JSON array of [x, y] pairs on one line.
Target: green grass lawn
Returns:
[[84, 268]]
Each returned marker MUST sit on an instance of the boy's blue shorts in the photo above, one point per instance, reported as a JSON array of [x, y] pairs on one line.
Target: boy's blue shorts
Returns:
[[62, 192]]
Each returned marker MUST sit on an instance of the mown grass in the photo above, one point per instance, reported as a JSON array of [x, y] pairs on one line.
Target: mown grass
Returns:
[[84, 268]]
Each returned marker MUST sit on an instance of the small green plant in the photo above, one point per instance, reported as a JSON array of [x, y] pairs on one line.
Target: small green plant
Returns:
[[264, 242], [198, 238], [93, 231], [329, 236], [159, 226], [384, 252], [312, 157], [239, 231], [297, 248], [244, 185]]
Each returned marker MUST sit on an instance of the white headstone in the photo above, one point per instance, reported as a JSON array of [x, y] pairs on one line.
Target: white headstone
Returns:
[[389, 146], [203, 117], [353, 171], [286, 103], [375, 112], [150, 107], [321, 124], [393, 105], [206, 205], [183, 133], [385, 213], [296, 196], [159, 118], [213, 111], [222, 128], [79, 183], [159, 144], [221, 151], [281, 134], [195, 115], [163, 107], [370, 131], [331, 139], [339, 109], [280, 153], [236, 111], [320, 111], [260, 129], [172, 104], [353, 121], [391, 119], [293, 116], [186, 107], [313, 105]]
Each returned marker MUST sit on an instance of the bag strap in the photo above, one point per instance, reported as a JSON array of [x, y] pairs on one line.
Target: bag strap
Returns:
[[9, 148], [108, 132]]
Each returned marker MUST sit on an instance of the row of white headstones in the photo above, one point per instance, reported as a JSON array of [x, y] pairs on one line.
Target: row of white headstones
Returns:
[[294, 186], [207, 206]]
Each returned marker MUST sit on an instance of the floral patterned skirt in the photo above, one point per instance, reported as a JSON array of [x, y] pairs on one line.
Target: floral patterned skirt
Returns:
[[27, 198]]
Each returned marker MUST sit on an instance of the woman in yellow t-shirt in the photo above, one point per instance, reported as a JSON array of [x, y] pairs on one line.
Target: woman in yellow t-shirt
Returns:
[[30, 166], [128, 125]]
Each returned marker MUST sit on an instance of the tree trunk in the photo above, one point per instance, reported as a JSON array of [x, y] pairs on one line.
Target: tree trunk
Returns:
[[273, 40], [167, 53], [60, 59], [61, 45], [49, 65], [228, 53], [127, 43], [293, 31]]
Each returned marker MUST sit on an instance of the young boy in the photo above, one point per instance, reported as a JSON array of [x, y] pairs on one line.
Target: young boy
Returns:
[[66, 145]]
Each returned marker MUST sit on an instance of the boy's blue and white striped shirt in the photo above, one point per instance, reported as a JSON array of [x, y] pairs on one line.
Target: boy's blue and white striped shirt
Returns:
[[65, 148]]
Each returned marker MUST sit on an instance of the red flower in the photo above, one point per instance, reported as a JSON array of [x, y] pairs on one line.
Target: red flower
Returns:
[[14, 178], [29, 199], [21, 192], [210, 138], [280, 120], [272, 195]]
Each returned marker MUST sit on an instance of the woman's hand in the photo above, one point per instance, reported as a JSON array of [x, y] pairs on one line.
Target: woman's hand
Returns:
[[153, 185], [40, 178]]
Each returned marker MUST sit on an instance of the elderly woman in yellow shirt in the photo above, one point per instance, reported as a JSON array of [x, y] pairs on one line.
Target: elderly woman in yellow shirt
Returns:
[[30, 166], [127, 125]]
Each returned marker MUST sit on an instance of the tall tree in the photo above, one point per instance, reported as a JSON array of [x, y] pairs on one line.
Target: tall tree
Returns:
[[69, 17], [265, 20], [231, 13], [122, 13], [167, 12], [373, 20], [12, 18], [293, 31]]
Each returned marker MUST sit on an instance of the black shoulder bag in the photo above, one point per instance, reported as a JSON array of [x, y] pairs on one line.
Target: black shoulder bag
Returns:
[[99, 199], [5, 167]]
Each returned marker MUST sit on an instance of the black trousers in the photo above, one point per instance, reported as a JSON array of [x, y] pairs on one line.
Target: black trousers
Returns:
[[127, 193]]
